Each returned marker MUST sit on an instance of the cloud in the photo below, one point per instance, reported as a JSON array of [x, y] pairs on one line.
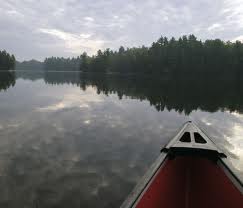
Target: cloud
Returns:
[[82, 35], [75, 42], [90, 19], [233, 12], [214, 27], [15, 14], [31, 29], [59, 12], [239, 38]]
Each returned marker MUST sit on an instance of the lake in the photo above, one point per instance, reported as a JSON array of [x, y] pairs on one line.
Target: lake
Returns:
[[77, 140]]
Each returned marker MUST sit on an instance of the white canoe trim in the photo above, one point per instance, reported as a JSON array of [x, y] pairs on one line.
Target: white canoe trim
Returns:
[[191, 128]]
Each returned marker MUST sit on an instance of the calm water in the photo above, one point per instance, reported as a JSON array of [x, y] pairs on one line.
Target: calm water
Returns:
[[69, 140]]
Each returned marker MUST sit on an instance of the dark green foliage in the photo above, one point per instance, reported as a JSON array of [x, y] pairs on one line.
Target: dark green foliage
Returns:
[[7, 80], [32, 65], [7, 61], [85, 61], [175, 57], [62, 64]]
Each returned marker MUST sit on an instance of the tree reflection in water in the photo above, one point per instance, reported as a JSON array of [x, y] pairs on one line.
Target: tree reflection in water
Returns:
[[7, 80]]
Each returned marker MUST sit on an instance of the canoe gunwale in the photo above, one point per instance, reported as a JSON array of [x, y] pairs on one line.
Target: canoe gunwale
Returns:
[[228, 169], [143, 183]]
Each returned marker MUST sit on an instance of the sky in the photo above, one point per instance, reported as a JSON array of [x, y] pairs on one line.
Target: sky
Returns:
[[32, 29]]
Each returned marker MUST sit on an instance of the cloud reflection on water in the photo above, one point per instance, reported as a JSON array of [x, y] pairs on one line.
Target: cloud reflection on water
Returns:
[[73, 99]]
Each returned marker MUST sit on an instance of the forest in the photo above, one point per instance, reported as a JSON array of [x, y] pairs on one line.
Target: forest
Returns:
[[7, 61], [183, 57], [32, 65], [176, 57], [62, 64]]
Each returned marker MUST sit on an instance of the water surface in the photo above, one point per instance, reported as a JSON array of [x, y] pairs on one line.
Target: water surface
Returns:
[[73, 140]]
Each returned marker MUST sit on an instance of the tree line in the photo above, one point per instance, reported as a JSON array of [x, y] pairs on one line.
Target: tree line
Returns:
[[32, 65], [7, 61], [62, 64], [184, 56]]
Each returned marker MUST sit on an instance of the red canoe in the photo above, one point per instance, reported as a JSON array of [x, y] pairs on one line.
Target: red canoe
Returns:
[[191, 172]]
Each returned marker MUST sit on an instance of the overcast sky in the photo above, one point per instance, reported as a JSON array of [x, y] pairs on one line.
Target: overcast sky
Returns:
[[33, 29]]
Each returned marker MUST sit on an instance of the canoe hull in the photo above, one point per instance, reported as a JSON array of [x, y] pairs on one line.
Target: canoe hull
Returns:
[[187, 181], [188, 175]]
